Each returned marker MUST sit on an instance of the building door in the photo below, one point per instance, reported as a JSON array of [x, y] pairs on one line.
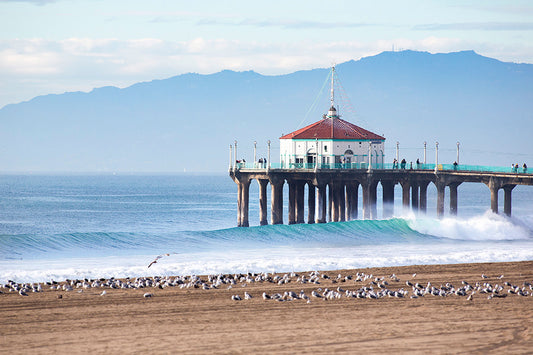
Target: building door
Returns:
[[348, 156]]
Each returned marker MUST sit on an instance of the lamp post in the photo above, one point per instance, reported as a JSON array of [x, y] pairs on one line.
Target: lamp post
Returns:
[[436, 156], [316, 156], [268, 165], [457, 153], [235, 152], [425, 144], [397, 154], [255, 151], [397, 151], [370, 156], [230, 155]]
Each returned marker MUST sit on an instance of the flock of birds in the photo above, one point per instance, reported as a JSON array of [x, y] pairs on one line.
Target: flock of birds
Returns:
[[360, 285], [368, 286]]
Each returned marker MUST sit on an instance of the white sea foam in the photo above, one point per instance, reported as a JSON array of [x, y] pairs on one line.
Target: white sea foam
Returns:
[[485, 227], [275, 259]]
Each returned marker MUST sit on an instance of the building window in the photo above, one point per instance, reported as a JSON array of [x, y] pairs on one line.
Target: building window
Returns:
[[325, 148]]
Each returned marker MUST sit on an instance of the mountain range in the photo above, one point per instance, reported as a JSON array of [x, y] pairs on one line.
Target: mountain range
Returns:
[[187, 122]]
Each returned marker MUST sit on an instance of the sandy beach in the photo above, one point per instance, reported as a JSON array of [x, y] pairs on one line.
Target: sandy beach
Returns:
[[195, 320]]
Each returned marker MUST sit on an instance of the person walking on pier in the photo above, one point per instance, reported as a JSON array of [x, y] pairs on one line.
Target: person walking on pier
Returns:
[[395, 164], [403, 163], [524, 167]]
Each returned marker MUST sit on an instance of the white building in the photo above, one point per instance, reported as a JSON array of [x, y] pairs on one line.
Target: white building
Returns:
[[333, 141]]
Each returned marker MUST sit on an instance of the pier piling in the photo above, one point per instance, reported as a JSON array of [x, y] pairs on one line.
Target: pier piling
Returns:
[[333, 193]]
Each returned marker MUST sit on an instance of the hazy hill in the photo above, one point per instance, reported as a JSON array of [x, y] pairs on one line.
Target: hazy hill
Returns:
[[188, 121]]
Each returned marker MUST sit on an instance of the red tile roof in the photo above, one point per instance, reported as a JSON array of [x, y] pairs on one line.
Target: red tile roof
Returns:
[[333, 128]]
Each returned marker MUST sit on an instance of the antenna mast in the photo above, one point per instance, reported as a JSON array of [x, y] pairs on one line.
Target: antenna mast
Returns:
[[332, 98]]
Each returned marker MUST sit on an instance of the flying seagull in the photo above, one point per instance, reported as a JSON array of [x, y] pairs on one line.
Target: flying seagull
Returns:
[[157, 258]]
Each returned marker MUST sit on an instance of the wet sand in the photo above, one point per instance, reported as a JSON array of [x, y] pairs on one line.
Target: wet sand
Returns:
[[195, 320]]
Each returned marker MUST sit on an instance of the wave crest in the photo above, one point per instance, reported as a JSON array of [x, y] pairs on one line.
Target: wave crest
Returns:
[[486, 227]]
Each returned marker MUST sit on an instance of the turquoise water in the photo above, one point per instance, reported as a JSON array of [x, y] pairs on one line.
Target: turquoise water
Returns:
[[90, 226]]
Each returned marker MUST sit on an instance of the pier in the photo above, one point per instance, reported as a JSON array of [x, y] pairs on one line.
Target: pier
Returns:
[[336, 160], [333, 190]]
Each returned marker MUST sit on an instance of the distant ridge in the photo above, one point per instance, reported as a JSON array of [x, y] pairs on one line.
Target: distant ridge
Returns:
[[186, 122]]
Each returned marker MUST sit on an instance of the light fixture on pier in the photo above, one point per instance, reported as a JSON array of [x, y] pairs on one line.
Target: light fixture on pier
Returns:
[[436, 156], [255, 152], [397, 152], [268, 165], [230, 155], [370, 157], [235, 152], [425, 144], [316, 154]]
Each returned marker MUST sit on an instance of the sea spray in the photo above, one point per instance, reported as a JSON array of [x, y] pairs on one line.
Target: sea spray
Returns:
[[485, 227]]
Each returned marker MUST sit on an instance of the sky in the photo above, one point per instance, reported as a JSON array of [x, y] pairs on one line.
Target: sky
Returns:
[[56, 46]]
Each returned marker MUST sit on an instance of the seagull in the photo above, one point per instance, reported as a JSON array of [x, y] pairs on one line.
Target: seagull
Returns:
[[147, 295], [103, 293], [315, 294], [236, 298], [414, 275], [247, 296], [22, 293], [158, 257], [265, 296]]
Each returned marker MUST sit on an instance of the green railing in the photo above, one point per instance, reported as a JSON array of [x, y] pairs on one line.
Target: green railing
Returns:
[[408, 166]]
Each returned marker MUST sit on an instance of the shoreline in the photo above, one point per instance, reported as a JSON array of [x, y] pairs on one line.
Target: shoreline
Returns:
[[180, 317]]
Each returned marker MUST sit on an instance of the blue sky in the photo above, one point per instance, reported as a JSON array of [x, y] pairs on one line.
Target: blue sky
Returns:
[[53, 46]]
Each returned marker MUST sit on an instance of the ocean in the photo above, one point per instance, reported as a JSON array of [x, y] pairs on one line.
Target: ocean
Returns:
[[57, 227]]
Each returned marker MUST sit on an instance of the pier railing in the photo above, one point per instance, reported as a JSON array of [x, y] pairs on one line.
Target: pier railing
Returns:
[[400, 166]]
